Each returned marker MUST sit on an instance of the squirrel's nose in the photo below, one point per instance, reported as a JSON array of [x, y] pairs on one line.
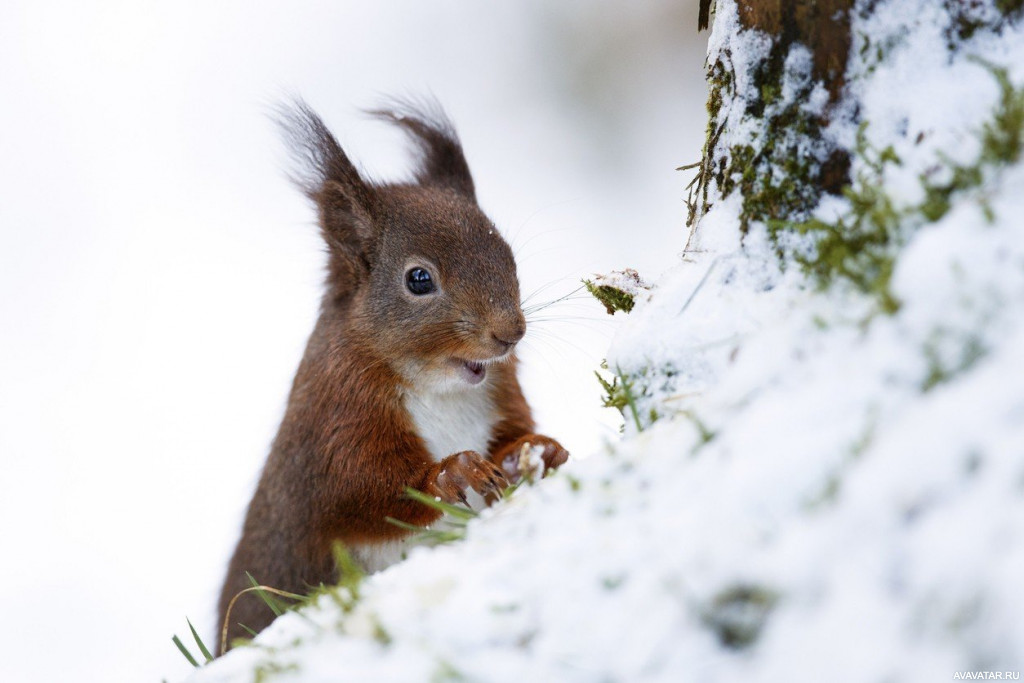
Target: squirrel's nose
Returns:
[[508, 337]]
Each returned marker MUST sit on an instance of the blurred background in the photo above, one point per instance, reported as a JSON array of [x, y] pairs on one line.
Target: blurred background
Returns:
[[159, 275]]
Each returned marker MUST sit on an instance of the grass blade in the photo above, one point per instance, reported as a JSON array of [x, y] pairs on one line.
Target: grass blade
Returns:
[[265, 593], [184, 651], [630, 400], [431, 536], [273, 604], [350, 574], [199, 642], [456, 511], [404, 525], [440, 537], [512, 488]]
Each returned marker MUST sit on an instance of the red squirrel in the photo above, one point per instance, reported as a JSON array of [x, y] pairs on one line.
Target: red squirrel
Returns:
[[408, 379]]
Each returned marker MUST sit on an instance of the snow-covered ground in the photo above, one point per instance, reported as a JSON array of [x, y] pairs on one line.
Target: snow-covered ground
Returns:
[[830, 492]]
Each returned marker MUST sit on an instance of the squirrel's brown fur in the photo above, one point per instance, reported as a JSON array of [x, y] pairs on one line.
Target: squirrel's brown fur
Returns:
[[348, 445]]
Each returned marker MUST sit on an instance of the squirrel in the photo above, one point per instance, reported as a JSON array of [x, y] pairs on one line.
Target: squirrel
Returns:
[[408, 378]]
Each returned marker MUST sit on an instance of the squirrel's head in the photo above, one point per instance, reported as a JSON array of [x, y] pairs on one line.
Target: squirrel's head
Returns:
[[416, 271]]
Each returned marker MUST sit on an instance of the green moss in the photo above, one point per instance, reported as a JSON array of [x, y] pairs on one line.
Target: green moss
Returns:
[[775, 175], [870, 52], [707, 435], [966, 19], [720, 79], [827, 495], [612, 583], [862, 245], [737, 614], [833, 484], [614, 299], [380, 634], [1003, 137], [780, 181], [1010, 8], [267, 669], [770, 93], [941, 370], [446, 673]]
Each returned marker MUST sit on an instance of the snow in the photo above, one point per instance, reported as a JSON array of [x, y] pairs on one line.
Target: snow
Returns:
[[811, 487], [531, 462]]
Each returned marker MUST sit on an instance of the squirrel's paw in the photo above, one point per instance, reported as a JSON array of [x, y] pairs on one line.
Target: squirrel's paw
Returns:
[[527, 453], [468, 470]]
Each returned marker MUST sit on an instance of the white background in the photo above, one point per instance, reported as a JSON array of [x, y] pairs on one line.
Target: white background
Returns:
[[159, 275]]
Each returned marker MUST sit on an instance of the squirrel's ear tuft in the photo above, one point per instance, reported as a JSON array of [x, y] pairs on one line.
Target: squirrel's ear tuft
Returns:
[[441, 161], [346, 201]]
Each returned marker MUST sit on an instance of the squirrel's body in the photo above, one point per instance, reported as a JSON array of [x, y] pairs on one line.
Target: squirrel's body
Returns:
[[408, 379]]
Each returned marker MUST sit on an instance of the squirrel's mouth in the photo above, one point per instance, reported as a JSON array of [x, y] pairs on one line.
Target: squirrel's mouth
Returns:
[[473, 372]]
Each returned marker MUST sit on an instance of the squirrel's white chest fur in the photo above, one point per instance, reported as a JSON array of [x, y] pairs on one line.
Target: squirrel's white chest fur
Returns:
[[453, 421]]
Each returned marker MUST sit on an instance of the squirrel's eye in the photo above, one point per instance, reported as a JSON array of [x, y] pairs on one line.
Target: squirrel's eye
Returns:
[[419, 281]]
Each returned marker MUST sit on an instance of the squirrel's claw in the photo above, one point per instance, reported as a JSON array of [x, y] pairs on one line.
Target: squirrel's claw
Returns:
[[469, 470]]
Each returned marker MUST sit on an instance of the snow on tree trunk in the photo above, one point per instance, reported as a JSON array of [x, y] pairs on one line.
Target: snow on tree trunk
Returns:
[[792, 91], [822, 471]]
